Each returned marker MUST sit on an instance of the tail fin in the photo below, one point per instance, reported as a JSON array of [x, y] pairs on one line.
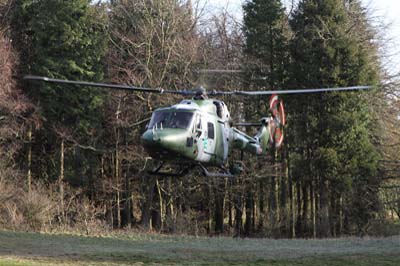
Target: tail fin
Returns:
[[263, 136]]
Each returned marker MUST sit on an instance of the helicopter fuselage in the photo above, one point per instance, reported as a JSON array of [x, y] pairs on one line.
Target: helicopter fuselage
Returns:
[[193, 130], [200, 131]]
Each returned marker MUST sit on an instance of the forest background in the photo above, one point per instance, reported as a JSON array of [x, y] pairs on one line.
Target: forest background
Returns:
[[71, 160]]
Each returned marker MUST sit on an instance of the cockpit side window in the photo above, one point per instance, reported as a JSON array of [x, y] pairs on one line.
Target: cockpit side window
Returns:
[[197, 126], [219, 107], [198, 122], [210, 127]]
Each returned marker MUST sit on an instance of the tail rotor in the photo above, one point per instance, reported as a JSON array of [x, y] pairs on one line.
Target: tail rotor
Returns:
[[278, 120]]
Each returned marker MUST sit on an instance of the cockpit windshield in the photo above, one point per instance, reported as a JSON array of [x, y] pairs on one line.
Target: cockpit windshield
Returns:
[[162, 119], [159, 119], [180, 120]]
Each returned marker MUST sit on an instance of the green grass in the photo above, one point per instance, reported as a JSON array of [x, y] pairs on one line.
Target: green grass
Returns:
[[22, 249]]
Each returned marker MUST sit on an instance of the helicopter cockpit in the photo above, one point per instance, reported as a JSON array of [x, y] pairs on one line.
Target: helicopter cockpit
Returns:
[[176, 119]]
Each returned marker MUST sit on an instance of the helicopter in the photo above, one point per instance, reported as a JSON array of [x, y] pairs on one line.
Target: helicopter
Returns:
[[199, 132]]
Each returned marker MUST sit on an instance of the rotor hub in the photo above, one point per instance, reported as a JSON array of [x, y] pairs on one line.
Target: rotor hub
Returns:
[[200, 93]]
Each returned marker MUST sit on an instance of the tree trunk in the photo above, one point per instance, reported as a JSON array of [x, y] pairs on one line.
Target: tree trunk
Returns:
[[157, 211], [323, 228], [272, 196], [117, 185], [249, 211], [261, 205], [292, 213], [128, 202], [169, 208], [107, 191], [254, 213], [229, 205], [29, 160], [304, 224], [146, 211], [341, 214], [292, 195], [61, 180], [283, 198], [299, 219], [334, 214], [313, 209], [238, 209], [219, 194], [291, 187]]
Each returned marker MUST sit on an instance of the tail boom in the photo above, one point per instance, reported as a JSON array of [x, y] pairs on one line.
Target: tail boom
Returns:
[[270, 133]]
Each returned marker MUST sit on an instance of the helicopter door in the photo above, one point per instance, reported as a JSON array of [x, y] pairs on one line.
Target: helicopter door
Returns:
[[204, 136], [199, 140], [225, 138], [209, 139]]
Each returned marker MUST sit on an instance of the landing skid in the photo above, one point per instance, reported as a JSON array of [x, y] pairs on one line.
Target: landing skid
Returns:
[[205, 172], [185, 169], [157, 171]]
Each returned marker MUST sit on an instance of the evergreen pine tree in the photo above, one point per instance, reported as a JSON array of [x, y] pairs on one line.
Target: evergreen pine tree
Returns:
[[333, 130], [266, 34], [266, 31], [66, 40]]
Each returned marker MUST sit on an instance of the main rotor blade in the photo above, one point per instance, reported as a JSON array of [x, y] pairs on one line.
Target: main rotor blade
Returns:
[[190, 92], [105, 85], [303, 91], [300, 91], [218, 71]]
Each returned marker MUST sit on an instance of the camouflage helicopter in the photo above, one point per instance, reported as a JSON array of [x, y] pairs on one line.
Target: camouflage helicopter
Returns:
[[199, 132]]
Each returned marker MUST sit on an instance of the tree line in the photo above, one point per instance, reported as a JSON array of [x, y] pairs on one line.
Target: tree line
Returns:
[[71, 157]]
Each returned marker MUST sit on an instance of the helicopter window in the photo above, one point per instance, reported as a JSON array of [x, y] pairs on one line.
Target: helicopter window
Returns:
[[210, 127], [171, 120], [180, 120], [198, 125], [159, 119], [219, 108]]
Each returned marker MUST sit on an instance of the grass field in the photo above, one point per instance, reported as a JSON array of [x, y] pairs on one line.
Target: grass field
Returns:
[[146, 249]]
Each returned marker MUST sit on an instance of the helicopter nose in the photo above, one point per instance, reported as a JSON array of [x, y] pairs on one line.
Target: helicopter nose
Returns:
[[159, 143]]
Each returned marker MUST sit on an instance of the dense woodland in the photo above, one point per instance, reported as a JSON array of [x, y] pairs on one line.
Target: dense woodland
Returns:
[[71, 159]]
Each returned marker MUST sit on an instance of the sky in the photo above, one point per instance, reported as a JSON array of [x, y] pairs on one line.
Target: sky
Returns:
[[386, 11], [389, 11]]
